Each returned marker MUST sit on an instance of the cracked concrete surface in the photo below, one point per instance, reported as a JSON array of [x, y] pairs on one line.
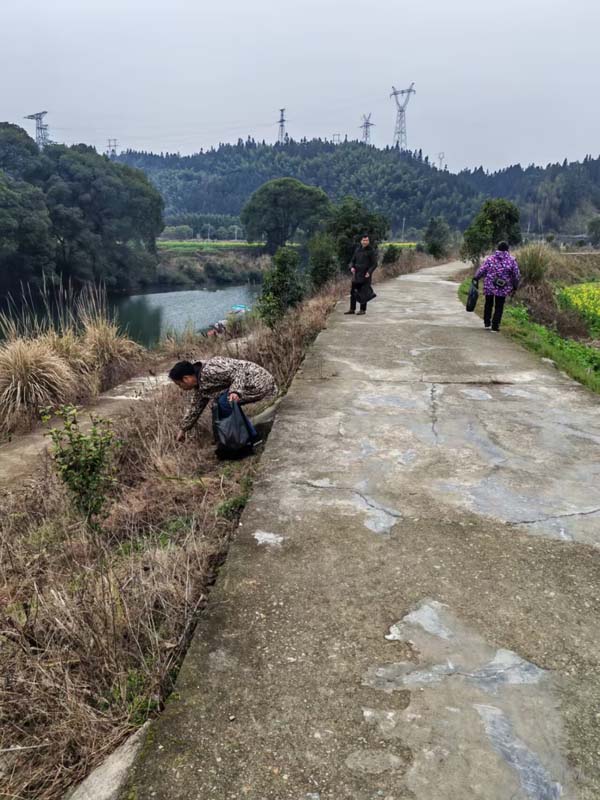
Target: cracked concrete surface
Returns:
[[411, 607]]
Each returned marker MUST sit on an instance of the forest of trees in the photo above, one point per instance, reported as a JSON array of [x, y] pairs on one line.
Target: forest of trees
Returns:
[[404, 186], [556, 198], [401, 185], [70, 214]]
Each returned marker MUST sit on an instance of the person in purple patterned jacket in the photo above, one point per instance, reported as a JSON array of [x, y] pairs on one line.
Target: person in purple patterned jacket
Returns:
[[501, 276]]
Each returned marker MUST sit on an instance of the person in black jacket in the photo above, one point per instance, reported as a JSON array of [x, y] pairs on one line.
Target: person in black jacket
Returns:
[[362, 266]]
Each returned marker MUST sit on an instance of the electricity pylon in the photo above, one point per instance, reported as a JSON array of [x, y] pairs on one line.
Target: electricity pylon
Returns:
[[42, 137], [282, 121], [111, 149], [366, 128], [400, 138]]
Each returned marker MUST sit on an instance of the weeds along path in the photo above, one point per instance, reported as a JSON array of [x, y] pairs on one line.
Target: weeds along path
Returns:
[[21, 456], [97, 613], [410, 607]]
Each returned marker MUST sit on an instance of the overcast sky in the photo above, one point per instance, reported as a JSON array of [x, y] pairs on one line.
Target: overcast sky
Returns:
[[497, 82]]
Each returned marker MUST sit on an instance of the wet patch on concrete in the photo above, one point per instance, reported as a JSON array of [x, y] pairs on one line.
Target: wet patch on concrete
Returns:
[[506, 668], [510, 391], [457, 672], [427, 616], [533, 776], [476, 435], [388, 723], [537, 515], [407, 457], [266, 538], [378, 517], [385, 401], [476, 394]]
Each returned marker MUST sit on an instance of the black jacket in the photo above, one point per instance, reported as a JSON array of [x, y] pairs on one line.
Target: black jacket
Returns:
[[364, 260]]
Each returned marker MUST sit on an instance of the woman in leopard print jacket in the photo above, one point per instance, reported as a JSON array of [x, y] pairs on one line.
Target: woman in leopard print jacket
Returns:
[[244, 381]]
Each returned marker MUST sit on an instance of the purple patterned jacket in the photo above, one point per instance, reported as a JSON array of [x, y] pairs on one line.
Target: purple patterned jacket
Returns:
[[502, 269]]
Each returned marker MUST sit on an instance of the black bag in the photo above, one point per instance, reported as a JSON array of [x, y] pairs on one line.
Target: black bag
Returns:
[[473, 295], [364, 293], [230, 429]]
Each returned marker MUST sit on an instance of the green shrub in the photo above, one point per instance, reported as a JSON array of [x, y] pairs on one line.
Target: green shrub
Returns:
[[391, 254], [84, 461], [322, 259], [282, 288], [219, 272], [437, 237]]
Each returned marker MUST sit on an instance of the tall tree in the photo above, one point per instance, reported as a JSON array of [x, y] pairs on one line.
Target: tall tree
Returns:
[[322, 258], [437, 237], [497, 220], [594, 231], [19, 154], [27, 249], [282, 287], [279, 208], [102, 218], [349, 221]]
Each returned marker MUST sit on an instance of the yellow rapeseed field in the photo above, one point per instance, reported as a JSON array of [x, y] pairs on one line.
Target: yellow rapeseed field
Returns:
[[584, 298]]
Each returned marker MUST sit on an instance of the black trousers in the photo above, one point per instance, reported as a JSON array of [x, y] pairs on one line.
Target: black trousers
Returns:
[[354, 299], [495, 304]]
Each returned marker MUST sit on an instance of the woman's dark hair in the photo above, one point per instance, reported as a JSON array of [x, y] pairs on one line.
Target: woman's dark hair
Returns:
[[503, 246], [181, 369]]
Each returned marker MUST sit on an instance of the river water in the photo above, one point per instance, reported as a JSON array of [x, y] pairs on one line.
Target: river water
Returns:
[[149, 317]]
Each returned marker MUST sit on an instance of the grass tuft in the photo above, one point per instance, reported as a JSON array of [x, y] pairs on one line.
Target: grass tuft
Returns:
[[32, 376]]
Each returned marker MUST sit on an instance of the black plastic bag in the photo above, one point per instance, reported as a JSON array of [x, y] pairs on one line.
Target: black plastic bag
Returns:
[[365, 293], [473, 295], [231, 430]]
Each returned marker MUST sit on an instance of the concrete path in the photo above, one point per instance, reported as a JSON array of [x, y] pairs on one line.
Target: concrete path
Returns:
[[411, 607]]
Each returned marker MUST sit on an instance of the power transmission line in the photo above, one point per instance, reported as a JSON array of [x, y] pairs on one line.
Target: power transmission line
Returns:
[[400, 137]]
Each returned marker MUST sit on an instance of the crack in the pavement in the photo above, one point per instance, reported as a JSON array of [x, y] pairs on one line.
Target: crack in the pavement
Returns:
[[434, 409], [366, 500], [589, 513]]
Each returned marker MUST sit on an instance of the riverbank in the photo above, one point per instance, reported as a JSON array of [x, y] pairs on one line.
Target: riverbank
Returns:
[[186, 264], [94, 632], [70, 348]]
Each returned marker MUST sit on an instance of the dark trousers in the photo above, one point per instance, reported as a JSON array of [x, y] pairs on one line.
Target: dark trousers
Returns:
[[495, 304], [356, 287]]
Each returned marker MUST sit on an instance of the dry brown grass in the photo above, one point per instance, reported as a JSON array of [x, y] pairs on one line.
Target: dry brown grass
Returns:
[[32, 376], [408, 261], [94, 624], [69, 354]]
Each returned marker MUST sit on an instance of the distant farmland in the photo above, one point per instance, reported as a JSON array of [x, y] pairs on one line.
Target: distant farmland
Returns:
[[195, 245]]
